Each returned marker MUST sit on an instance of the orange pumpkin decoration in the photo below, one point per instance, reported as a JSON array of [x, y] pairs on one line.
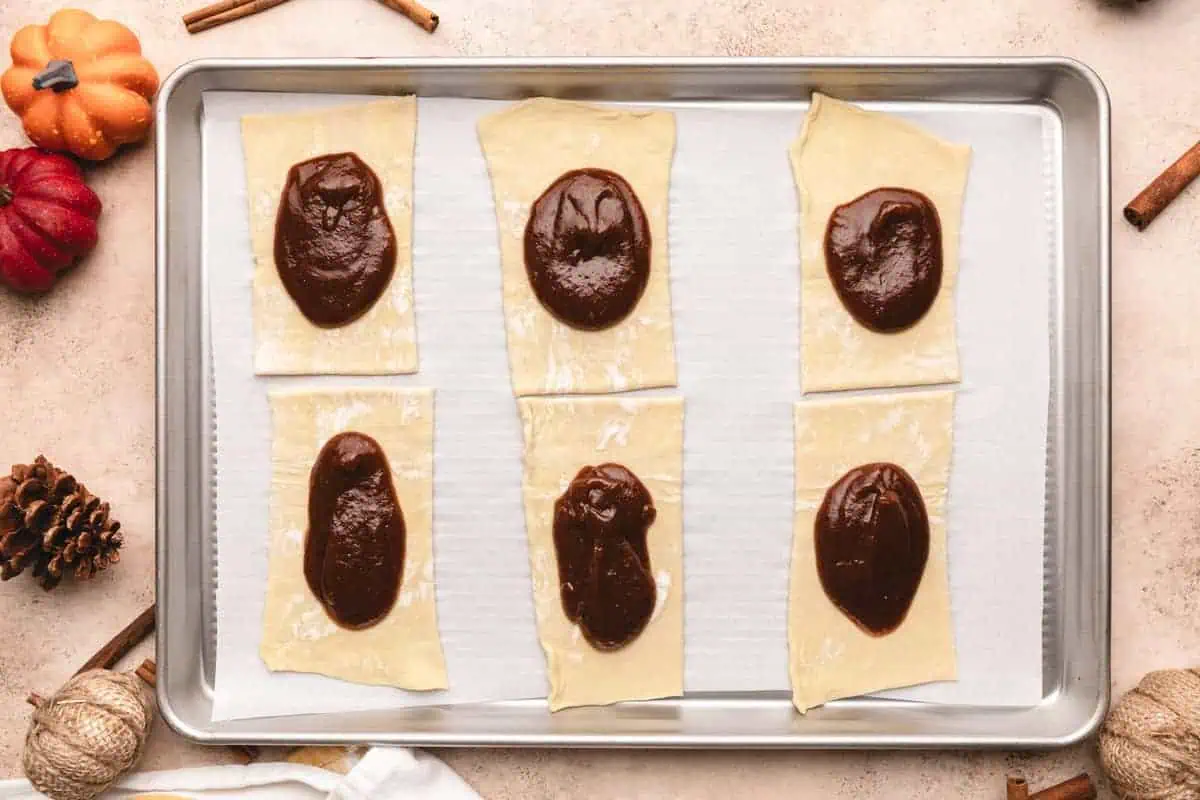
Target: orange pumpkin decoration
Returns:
[[80, 84]]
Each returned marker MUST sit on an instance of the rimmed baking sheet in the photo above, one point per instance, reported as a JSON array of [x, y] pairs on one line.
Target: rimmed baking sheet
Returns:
[[733, 237]]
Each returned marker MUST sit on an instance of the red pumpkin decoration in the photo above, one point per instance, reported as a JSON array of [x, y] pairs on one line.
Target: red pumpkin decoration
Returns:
[[47, 217]]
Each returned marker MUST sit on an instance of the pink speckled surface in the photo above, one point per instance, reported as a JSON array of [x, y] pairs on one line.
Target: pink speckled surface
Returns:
[[76, 368]]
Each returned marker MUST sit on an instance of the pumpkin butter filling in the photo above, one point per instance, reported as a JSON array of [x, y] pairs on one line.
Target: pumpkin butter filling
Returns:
[[335, 249], [354, 550]]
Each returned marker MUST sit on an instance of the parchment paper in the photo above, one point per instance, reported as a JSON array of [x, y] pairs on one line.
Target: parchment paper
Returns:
[[734, 286]]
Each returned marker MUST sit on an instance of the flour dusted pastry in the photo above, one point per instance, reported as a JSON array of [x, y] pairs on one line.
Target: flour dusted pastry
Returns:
[[346, 598], [880, 207], [603, 512], [581, 204], [351, 170], [869, 603]]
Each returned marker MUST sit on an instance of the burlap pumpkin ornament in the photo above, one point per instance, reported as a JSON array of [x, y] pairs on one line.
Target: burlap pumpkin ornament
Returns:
[[1150, 742], [88, 734]]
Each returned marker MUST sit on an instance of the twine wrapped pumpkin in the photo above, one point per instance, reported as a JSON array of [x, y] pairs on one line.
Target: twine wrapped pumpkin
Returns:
[[87, 735], [1150, 742]]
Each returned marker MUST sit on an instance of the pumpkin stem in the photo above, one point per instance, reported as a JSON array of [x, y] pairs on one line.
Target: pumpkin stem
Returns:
[[6, 195], [58, 75]]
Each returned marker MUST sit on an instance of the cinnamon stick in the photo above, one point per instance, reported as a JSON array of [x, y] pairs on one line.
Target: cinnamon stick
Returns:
[[212, 10], [1018, 789], [117, 647], [225, 11], [416, 12], [1142, 210], [1078, 788], [148, 672]]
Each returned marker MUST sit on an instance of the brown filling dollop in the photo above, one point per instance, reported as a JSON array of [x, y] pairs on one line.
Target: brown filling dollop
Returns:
[[587, 249], [872, 541], [335, 249], [883, 252], [354, 550], [604, 573]]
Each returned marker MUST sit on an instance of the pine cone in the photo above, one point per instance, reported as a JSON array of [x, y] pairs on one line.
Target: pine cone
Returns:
[[52, 523]]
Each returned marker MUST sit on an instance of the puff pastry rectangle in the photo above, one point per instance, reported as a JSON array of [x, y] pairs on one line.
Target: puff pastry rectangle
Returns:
[[562, 435], [844, 152], [829, 656], [528, 147], [383, 341], [403, 649]]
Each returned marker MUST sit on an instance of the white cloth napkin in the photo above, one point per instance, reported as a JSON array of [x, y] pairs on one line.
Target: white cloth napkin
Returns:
[[384, 773]]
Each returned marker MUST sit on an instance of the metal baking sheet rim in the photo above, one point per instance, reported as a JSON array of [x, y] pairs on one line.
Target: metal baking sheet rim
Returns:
[[1078, 477]]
